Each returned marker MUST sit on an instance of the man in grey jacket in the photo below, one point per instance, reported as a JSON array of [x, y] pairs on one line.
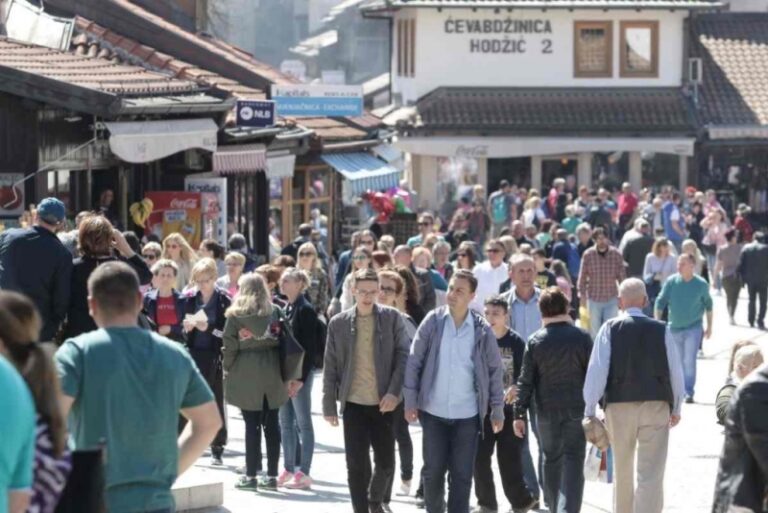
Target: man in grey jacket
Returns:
[[453, 377], [365, 358]]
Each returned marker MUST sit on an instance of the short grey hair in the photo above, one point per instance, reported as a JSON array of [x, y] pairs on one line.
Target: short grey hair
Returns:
[[520, 258], [632, 289]]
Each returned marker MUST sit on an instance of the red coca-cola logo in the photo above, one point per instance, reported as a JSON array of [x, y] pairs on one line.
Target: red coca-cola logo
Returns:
[[182, 204]]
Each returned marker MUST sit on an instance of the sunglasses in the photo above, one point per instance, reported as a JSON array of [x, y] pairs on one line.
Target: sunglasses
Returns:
[[306, 254], [149, 257], [461, 255], [493, 250], [368, 242], [425, 224]]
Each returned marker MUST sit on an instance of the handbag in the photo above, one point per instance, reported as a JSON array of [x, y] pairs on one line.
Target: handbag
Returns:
[[291, 352], [84, 491]]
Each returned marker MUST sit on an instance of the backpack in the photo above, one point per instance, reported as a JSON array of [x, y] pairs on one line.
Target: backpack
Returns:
[[499, 209]]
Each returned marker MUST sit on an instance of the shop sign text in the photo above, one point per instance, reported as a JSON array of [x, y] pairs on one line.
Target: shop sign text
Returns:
[[506, 35]]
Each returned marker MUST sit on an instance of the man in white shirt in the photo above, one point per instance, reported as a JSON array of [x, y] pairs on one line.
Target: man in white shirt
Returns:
[[490, 274]]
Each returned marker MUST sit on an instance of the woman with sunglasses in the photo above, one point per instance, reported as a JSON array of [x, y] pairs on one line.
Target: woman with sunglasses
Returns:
[[204, 337], [176, 248], [319, 289], [150, 252], [235, 263], [361, 259], [466, 256]]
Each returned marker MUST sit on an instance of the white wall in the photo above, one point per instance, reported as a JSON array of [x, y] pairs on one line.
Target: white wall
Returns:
[[445, 59], [748, 5]]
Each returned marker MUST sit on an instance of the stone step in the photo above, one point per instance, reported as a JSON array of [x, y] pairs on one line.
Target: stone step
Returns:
[[194, 491]]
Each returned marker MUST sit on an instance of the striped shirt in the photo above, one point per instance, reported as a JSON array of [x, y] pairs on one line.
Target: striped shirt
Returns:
[[50, 472], [600, 274]]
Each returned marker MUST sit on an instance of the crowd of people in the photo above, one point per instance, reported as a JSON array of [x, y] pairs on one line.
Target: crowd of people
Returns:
[[518, 315]]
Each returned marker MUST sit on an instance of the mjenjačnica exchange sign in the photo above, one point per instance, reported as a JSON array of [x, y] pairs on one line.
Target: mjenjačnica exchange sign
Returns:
[[504, 35]]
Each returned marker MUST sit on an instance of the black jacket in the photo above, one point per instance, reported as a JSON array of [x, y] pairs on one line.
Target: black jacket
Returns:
[[741, 478], [215, 325], [304, 324], [35, 263], [554, 370], [753, 264], [150, 310], [79, 320], [635, 251], [427, 294]]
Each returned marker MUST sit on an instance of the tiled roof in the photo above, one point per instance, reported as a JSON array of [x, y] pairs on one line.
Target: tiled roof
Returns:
[[331, 129], [734, 52], [94, 40], [379, 5], [88, 72], [561, 110]]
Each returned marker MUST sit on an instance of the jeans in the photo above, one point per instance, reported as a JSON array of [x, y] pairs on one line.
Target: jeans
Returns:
[[687, 342], [404, 447], [297, 413], [564, 448], [599, 312], [449, 446], [711, 262], [732, 285], [756, 291], [365, 427], [509, 454], [254, 421]]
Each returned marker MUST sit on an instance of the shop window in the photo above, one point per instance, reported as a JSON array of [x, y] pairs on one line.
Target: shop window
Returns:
[[610, 170], [639, 45], [406, 48], [593, 49]]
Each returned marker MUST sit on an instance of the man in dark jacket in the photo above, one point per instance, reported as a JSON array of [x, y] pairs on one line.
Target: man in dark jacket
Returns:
[[34, 262], [753, 267], [554, 369], [364, 365], [636, 248], [743, 473], [635, 367]]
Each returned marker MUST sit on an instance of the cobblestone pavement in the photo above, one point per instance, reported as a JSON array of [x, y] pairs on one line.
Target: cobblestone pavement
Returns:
[[693, 455]]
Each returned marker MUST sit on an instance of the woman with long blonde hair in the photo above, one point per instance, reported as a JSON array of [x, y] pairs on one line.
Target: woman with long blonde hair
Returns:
[[176, 248], [319, 290], [255, 382]]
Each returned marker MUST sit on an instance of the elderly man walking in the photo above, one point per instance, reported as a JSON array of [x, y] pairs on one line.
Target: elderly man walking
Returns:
[[636, 368]]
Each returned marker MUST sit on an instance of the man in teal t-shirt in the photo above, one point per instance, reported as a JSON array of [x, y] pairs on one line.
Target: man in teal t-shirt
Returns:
[[687, 297], [17, 440], [124, 388]]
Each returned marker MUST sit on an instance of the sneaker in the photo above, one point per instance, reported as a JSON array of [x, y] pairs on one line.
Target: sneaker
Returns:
[[761, 326], [247, 483], [385, 508], [420, 504], [483, 509], [534, 504], [733, 321], [268, 483], [216, 460], [689, 400], [301, 481], [405, 489], [376, 507], [284, 478]]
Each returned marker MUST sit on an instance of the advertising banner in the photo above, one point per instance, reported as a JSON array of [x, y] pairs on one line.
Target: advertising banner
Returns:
[[318, 100], [176, 212], [213, 199], [11, 196], [255, 113]]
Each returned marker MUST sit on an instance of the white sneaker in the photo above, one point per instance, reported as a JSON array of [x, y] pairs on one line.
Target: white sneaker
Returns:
[[300, 481], [405, 489]]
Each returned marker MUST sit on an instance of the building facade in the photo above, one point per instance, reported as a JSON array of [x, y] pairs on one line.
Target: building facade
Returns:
[[595, 92]]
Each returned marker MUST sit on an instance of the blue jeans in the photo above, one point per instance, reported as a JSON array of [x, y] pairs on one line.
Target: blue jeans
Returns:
[[449, 446], [297, 413], [601, 311], [564, 447], [687, 342]]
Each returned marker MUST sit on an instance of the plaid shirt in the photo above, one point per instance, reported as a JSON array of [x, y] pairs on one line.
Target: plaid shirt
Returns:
[[600, 275]]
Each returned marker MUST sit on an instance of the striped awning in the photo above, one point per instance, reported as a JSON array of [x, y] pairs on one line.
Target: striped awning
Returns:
[[241, 159], [364, 171]]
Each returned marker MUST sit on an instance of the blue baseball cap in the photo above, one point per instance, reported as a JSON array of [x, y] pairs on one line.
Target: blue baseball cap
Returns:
[[51, 210]]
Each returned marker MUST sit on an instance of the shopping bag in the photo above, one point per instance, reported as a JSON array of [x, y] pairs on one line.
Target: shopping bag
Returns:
[[592, 463], [584, 318], [606, 472]]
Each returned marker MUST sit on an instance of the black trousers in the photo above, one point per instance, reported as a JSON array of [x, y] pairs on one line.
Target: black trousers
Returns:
[[366, 428], [404, 449], [254, 422], [757, 291], [732, 285], [509, 453], [209, 364]]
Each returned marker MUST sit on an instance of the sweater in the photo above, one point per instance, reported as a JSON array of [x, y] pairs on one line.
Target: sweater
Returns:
[[687, 301]]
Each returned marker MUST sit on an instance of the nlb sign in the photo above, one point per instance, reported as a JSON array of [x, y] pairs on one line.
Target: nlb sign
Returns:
[[318, 100], [255, 113]]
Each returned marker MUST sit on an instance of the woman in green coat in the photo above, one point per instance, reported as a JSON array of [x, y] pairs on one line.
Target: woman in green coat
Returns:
[[254, 380]]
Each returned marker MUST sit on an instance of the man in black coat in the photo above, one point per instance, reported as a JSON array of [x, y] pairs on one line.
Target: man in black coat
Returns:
[[34, 262], [753, 267], [743, 472], [636, 248]]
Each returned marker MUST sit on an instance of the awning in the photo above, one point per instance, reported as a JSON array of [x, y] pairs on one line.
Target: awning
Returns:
[[241, 159], [387, 153], [146, 141], [364, 171], [281, 166], [738, 132]]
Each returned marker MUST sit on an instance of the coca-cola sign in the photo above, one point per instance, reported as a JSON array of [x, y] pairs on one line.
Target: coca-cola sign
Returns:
[[183, 204]]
